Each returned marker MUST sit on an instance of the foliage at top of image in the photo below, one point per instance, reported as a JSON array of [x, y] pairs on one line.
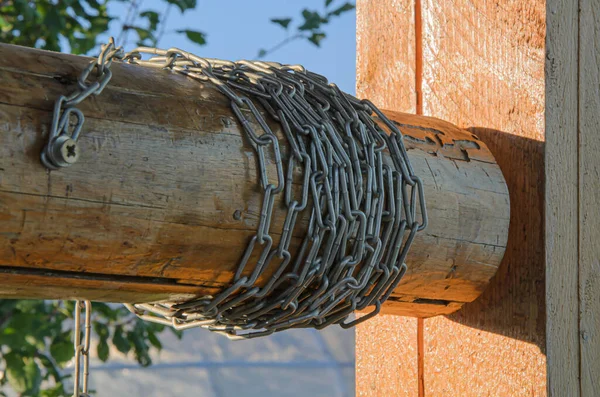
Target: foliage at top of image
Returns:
[[50, 24], [311, 27]]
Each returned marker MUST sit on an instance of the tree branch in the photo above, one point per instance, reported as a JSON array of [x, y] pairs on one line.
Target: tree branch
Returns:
[[281, 44], [128, 21], [163, 24]]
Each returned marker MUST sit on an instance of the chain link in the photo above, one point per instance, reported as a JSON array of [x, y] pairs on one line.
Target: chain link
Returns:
[[359, 190], [62, 149], [82, 348]]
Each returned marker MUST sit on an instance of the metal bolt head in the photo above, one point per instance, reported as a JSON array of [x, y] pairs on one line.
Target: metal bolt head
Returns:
[[66, 151], [237, 215], [226, 121]]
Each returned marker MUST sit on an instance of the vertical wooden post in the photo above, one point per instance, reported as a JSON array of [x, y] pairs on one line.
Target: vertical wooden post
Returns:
[[562, 199], [483, 69], [386, 346], [589, 196], [573, 198]]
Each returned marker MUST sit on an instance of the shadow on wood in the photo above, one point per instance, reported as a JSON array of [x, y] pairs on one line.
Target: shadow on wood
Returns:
[[513, 303]]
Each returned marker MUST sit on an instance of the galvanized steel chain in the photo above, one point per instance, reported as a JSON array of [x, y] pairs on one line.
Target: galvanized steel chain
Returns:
[[61, 149], [82, 348], [365, 202], [362, 204]]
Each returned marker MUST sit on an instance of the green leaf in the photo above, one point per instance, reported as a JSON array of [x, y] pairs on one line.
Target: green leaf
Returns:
[[27, 10], [195, 36], [154, 340], [316, 38], [79, 10], [30, 306], [15, 372], [183, 5], [51, 369], [177, 332], [4, 25], [33, 377], [121, 343], [283, 22], [54, 21], [23, 321], [98, 24], [62, 350], [106, 311], [83, 45], [340, 10], [312, 20], [18, 329], [56, 391], [143, 33], [94, 4], [140, 348], [153, 18], [23, 374], [327, 2], [103, 333], [7, 305], [101, 330], [262, 52], [102, 349], [69, 308]]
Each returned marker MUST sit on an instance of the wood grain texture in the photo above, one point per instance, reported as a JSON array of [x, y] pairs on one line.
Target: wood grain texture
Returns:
[[16, 283], [386, 347], [154, 192], [385, 53], [589, 197], [386, 357], [483, 69], [562, 199]]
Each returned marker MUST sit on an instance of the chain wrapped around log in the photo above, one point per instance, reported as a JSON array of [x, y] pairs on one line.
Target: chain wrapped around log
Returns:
[[166, 194]]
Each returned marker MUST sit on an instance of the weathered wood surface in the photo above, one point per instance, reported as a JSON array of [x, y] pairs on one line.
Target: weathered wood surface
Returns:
[[14, 283], [561, 197], [573, 198], [386, 346], [589, 197], [166, 188], [483, 69]]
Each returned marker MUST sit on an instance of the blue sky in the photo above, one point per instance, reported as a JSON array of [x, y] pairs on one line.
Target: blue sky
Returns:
[[237, 29]]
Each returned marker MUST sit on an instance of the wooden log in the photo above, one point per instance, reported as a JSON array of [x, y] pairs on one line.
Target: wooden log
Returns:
[[166, 193]]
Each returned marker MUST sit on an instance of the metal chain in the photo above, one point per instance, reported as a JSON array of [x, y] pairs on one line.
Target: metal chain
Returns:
[[82, 348], [364, 206], [61, 149]]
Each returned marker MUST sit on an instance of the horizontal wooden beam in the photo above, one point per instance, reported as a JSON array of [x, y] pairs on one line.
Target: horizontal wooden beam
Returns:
[[164, 196]]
